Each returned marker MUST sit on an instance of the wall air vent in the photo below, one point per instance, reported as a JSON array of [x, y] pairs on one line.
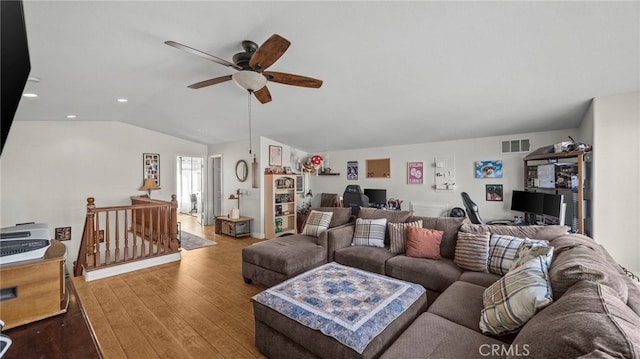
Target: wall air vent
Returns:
[[516, 146]]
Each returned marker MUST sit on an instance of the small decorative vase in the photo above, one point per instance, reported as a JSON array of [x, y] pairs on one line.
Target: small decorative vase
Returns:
[[234, 213]]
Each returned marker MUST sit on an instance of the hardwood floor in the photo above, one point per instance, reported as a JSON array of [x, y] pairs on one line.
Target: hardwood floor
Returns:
[[199, 307]]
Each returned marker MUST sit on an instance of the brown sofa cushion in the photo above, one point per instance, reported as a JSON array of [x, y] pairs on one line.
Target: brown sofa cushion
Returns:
[[534, 232], [369, 258], [431, 336], [433, 274], [588, 319], [340, 215], [461, 303], [450, 227], [576, 258], [286, 255]]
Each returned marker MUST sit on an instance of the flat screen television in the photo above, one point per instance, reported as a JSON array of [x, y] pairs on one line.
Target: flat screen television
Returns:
[[15, 64], [529, 202], [376, 196]]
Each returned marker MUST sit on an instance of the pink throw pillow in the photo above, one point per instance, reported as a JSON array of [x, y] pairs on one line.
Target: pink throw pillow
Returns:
[[423, 242]]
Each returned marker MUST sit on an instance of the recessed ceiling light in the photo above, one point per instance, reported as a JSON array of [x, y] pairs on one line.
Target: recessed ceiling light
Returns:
[[30, 94], [33, 79], [123, 100], [72, 116]]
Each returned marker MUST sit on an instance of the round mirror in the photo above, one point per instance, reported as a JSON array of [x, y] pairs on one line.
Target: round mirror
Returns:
[[242, 170]]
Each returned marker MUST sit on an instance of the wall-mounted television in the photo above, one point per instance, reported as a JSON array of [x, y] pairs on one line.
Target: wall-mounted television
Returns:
[[15, 64]]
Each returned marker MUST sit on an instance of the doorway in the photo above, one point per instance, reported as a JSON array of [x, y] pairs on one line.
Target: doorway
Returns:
[[214, 189], [189, 183]]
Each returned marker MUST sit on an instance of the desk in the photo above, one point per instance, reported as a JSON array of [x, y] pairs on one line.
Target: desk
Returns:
[[35, 288], [239, 227]]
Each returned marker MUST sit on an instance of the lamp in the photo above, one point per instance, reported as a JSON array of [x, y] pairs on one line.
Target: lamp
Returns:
[[249, 80], [236, 196], [149, 185]]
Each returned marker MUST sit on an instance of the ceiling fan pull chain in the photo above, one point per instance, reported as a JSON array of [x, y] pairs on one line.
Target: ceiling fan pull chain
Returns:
[[249, 106]]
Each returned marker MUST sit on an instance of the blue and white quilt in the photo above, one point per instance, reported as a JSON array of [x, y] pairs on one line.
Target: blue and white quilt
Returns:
[[351, 305]]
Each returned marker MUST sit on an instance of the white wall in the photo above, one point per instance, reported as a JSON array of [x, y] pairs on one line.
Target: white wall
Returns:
[[616, 166], [49, 168], [252, 199], [464, 152]]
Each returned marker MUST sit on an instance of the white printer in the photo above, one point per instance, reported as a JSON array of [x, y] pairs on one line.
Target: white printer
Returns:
[[24, 242]]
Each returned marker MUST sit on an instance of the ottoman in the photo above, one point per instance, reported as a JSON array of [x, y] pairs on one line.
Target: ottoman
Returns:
[[275, 260], [335, 311]]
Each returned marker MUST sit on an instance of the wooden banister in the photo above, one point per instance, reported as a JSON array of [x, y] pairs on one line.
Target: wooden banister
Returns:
[[114, 235]]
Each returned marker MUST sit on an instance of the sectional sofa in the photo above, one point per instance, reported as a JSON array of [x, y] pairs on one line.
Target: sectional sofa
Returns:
[[584, 304]]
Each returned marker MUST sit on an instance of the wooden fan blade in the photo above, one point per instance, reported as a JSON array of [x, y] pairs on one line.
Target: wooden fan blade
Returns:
[[269, 52], [202, 54], [210, 82], [263, 95], [293, 80]]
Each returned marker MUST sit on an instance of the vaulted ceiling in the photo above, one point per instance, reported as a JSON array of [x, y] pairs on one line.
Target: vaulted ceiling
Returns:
[[394, 72]]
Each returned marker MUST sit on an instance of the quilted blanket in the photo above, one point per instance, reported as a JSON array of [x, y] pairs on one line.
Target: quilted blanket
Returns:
[[351, 305]]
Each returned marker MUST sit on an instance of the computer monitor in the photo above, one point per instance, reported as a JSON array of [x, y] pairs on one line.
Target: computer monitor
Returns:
[[529, 202], [553, 205], [376, 196]]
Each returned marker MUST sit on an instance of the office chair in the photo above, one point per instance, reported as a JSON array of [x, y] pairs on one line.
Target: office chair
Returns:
[[328, 199], [472, 209], [194, 203], [354, 197]]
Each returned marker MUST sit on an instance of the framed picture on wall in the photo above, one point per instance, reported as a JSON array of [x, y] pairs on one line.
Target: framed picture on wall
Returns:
[[494, 192], [299, 183], [151, 167], [352, 170], [488, 169], [275, 155], [415, 172], [63, 233]]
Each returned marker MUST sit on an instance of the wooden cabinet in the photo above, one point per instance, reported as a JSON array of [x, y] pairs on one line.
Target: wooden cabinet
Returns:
[[34, 289], [280, 205], [238, 227], [568, 174]]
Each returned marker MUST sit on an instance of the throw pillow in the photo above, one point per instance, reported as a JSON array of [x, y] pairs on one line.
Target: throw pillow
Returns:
[[502, 251], [529, 249], [511, 301], [398, 236], [423, 242], [369, 232], [317, 222], [472, 251]]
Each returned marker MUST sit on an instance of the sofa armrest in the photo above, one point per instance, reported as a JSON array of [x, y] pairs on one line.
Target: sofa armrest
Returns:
[[339, 237]]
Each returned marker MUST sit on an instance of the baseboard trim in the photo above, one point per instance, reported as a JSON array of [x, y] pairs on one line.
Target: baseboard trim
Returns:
[[130, 267]]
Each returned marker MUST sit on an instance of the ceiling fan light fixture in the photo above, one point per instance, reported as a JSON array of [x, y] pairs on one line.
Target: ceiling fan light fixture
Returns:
[[249, 80]]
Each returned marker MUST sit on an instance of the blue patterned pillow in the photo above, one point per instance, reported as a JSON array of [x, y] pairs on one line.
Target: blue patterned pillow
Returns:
[[502, 252], [369, 232]]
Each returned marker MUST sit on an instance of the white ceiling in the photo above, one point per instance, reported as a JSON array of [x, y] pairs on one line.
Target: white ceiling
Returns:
[[394, 72]]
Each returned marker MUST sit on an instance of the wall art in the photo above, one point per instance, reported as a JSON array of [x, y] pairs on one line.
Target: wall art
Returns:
[[494, 192], [151, 167], [352, 170], [488, 169], [275, 155], [415, 172]]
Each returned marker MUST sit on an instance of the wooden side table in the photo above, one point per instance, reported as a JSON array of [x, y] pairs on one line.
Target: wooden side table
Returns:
[[239, 227]]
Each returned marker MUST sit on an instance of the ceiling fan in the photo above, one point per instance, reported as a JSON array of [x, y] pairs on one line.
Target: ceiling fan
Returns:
[[251, 65]]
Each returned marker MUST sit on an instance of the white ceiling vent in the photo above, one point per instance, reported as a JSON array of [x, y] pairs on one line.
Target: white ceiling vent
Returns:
[[516, 146]]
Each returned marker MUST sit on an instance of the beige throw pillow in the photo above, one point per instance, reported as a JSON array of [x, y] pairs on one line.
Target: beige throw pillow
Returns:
[[317, 222], [472, 251], [398, 235]]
